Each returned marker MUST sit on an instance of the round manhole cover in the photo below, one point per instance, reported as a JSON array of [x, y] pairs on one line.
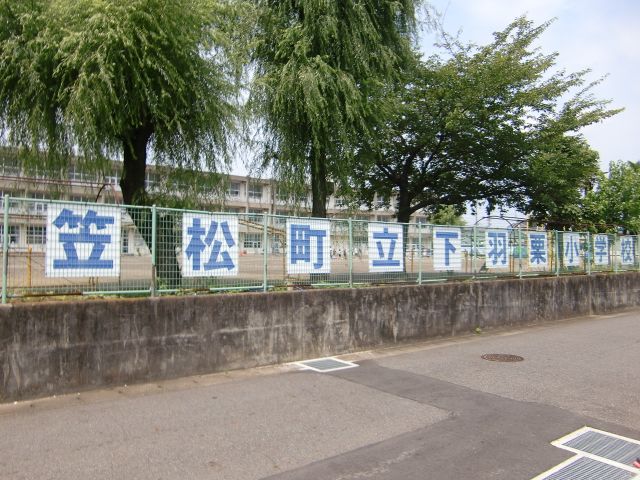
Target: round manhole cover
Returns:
[[502, 357]]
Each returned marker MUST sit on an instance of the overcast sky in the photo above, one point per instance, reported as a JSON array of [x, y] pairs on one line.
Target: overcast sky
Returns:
[[597, 34]]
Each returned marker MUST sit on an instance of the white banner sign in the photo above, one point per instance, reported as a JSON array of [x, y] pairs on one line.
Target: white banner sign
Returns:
[[571, 249], [538, 257], [386, 247], [209, 245], [308, 244], [627, 250], [496, 248], [82, 241], [601, 250], [447, 243]]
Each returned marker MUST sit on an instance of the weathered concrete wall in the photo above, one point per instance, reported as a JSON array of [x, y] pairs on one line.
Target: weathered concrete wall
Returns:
[[48, 348]]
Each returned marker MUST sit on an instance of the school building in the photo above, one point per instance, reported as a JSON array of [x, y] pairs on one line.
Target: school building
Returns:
[[244, 195]]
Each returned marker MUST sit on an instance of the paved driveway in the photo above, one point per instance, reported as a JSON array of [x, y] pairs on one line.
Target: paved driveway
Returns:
[[430, 411]]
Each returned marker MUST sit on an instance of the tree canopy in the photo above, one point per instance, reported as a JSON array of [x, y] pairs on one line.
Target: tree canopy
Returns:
[[316, 63], [483, 123], [615, 201], [556, 180], [119, 78]]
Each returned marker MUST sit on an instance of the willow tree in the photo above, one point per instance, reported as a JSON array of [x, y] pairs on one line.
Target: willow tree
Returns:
[[316, 62], [106, 79], [119, 78]]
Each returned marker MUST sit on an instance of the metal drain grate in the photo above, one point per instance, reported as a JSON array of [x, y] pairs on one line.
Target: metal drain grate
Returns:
[[324, 365], [585, 468], [502, 357], [602, 444]]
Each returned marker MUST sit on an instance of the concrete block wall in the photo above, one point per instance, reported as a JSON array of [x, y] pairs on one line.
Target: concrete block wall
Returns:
[[56, 347]]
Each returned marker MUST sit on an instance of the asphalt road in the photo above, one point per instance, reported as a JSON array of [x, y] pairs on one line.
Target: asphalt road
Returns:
[[429, 411]]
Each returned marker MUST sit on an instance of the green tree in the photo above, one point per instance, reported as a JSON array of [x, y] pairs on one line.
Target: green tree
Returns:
[[446, 215], [316, 64], [119, 78], [615, 201], [556, 181], [122, 78], [473, 125]]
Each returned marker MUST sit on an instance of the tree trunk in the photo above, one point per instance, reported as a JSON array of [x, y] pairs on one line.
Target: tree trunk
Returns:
[[134, 145], [404, 216], [318, 184], [132, 183], [404, 212]]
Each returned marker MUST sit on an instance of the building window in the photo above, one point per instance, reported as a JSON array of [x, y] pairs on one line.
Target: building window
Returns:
[[252, 240], [280, 220], [125, 241], [37, 173], [150, 180], [36, 235], [75, 173], [255, 191], [339, 202], [11, 169], [234, 189], [113, 179], [37, 207], [255, 215], [13, 203], [14, 234], [300, 199], [80, 198]]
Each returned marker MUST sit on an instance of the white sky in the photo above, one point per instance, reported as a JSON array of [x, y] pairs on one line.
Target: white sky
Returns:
[[597, 34]]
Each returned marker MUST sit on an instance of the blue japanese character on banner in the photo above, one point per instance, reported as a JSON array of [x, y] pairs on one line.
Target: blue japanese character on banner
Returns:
[[211, 247], [385, 247], [87, 236], [538, 249], [197, 245], [446, 248], [627, 250], [571, 249], [601, 249], [497, 253], [70, 241], [308, 250], [301, 236]]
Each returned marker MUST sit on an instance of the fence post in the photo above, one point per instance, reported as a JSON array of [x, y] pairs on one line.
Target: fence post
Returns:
[[5, 248], [154, 235], [589, 255], [556, 249], [615, 253], [519, 253], [265, 237], [350, 257], [474, 249], [419, 253]]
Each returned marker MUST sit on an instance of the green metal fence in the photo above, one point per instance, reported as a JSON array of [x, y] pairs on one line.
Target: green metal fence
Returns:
[[60, 248]]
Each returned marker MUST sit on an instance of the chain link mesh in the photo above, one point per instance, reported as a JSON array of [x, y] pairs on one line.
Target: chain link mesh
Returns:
[[156, 251]]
